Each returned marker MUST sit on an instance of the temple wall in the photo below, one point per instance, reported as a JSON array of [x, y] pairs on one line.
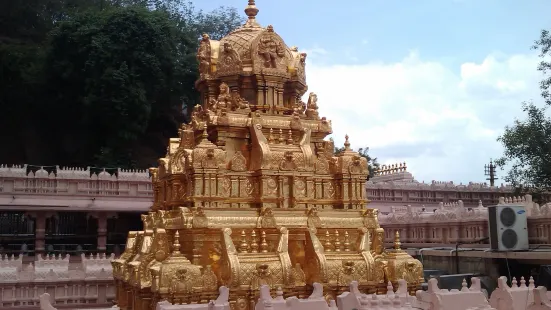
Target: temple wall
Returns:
[[106, 200], [450, 223]]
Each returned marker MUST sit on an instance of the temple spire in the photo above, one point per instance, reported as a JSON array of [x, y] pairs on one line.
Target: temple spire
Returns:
[[346, 143], [397, 243], [176, 244], [251, 10]]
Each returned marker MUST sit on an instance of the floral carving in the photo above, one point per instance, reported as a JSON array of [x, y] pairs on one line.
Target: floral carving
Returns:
[[322, 165], [210, 282], [238, 162]]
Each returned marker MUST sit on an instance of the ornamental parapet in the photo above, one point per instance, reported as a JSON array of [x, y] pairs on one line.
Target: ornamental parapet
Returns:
[[449, 223], [520, 295], [25, 179]]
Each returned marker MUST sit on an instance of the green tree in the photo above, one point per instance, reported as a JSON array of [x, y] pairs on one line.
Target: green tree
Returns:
[[543, 45], [98, 82], [112, 72], [527, 146], [527, 143], [372, 163]]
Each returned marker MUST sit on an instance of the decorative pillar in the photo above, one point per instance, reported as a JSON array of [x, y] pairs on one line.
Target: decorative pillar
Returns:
[[40, 233], [102, 233], [102, 230]]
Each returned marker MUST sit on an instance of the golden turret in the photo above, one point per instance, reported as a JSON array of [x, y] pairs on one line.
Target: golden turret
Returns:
[[252, 194]]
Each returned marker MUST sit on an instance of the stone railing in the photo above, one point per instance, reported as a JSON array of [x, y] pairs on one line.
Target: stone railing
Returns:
[[406, 181], [89, 283], [95, 265], [452, 223], [75, 181], [514, 297], [79, 189]]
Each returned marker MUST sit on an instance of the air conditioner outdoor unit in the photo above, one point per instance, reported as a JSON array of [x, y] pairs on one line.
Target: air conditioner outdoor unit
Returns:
[[508, 228]]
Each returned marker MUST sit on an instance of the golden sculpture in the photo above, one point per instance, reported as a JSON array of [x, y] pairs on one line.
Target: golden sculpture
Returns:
[[251, 194]]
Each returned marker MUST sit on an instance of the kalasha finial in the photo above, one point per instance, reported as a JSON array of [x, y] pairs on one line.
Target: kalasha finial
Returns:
[[346, 143], [397, 243], [251, 10], [176, 243]]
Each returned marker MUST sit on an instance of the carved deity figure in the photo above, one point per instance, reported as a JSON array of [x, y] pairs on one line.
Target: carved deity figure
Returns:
[[262, 276], [296, 123], [312, 106], [301, 68], [382, 273], [230, 55], [270, 49], [355, 165], [224, 97], [228, 48], [288, 162], [303, 59], [346, 275], [237, 101], [267, 218], [313, 101], [313, 218], [204, 55], [412, 272], [182, 282], [378, 242], [300, 106], [195, 123]]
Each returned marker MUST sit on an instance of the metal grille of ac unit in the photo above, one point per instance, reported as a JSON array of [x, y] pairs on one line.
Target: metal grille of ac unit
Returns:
[[509, 238], [508, 217], [508, 228]]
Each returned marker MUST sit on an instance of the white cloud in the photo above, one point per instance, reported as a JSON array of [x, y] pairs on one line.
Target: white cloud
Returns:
[[442, 121]]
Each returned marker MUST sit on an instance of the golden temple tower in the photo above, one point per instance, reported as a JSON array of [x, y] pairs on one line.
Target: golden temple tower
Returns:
[[251, 194]]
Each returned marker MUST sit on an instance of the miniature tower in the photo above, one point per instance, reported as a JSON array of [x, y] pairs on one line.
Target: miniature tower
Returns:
[[251, 188]]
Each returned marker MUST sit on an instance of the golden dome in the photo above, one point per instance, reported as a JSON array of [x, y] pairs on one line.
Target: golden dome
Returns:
[[248, 50]]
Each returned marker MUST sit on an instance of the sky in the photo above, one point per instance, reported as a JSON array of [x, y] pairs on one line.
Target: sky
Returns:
[[432, 83]]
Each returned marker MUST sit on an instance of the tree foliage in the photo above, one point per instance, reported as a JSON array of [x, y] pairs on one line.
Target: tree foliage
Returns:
[[527, 143], [543, 45], [116, 71], [372, 163], [98, 82], [527, 147]]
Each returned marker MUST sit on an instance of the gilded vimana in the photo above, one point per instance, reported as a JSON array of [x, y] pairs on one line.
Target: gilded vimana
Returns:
[[251, 192]]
